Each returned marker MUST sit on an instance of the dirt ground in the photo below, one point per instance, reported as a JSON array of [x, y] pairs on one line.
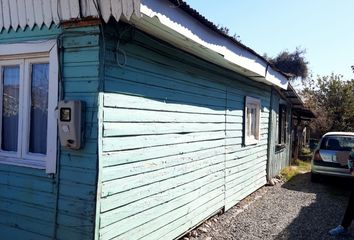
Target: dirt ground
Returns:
[[298, 209]]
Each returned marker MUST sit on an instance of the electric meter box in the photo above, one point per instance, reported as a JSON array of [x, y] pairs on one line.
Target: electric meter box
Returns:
[[71, 123]]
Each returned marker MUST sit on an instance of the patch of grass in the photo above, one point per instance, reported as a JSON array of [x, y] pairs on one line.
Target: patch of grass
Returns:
[[306, 151], [305, 154], [299, 167]]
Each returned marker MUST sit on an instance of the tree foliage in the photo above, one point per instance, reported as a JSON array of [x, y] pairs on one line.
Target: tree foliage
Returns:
[[293, 64], [226, 31], [332, 98]]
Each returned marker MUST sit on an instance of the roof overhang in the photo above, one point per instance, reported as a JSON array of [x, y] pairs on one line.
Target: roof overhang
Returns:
[[160, 18], [167, 22], [298, 106]]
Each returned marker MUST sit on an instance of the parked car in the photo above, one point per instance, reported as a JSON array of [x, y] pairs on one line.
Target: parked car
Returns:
[[331, 155]]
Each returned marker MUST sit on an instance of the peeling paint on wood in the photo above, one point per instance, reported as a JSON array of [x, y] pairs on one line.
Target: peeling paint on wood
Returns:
[[28, 205], [171, 138]]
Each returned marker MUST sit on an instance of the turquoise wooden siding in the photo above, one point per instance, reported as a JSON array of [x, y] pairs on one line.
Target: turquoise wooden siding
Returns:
[[32, 204], [170, 141], [279, 158], [170, 137], [78, 171], [245, 165], [27, 196]]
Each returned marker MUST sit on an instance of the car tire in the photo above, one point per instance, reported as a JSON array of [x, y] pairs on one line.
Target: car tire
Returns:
[[315, 178]]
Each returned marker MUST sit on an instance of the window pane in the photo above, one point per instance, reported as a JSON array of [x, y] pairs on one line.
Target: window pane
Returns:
[[251, 120], [283, 124], [282, 128], [10, 102], [39, 108]]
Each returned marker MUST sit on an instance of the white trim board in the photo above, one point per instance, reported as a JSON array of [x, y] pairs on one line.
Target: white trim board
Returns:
[[33, 47]]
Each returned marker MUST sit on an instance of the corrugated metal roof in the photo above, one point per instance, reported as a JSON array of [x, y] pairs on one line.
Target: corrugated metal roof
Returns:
[[299, 107], [179, 25], [194, 13], [23, 13]]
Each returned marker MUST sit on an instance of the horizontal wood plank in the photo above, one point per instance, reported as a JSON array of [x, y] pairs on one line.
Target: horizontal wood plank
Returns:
[[126, 128], [125, 170], [158, 205], [124, 184], [135, 142], [135, 116], [11, 232], [184, 224], [134, 88], [154, 223], [136, 155], [116, 100], [29, 224], [135, 194]]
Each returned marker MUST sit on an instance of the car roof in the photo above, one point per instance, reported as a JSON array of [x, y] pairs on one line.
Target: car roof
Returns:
[[339, 133]]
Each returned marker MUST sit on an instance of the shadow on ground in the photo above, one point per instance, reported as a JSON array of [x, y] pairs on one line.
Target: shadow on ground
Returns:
[[314, 220]]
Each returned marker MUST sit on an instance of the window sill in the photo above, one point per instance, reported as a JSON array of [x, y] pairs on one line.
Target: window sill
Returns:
[[23, 162], [249, 142], [279, 147]]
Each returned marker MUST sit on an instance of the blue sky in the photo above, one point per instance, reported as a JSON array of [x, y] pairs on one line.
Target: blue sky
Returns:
[[325, 28]]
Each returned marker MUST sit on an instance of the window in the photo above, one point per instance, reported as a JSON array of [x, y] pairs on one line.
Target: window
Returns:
[[252, 120], [28, 98], [282, 124], [337, 143]]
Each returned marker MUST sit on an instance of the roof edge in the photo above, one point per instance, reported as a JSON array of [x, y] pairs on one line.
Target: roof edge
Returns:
[[194, 13], [185, 28]]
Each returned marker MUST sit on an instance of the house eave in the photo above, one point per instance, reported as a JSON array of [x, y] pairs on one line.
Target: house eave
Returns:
[[299, 108], [182, 30]]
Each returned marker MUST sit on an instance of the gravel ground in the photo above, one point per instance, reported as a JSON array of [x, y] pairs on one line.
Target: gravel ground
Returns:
[[297, 209]]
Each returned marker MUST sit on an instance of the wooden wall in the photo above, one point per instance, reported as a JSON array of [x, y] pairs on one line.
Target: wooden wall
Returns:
[[245, 165], [78, 168], [279, 158], [170, 139], [34, 205]]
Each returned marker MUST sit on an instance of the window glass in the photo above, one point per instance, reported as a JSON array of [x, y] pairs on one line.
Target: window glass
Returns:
[[282, 124], [252, 114], [10, 108], [29, 96], [39, 108], [249, 122], [337, 143], [251, 117]]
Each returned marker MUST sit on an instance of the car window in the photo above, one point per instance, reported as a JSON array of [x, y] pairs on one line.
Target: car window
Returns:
[[337, 143]]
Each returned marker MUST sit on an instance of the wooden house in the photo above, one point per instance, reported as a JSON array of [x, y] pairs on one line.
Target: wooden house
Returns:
[[179, 119], [288, 111]]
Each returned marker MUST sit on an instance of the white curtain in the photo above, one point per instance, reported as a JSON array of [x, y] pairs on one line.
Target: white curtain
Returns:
[[39, 108]]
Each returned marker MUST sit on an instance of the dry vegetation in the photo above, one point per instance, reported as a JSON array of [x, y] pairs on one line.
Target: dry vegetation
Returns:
[[299, 167]]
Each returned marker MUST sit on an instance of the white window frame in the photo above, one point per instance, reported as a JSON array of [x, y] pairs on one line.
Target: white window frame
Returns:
[[250, 102], [25, 54], [7, 64]]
